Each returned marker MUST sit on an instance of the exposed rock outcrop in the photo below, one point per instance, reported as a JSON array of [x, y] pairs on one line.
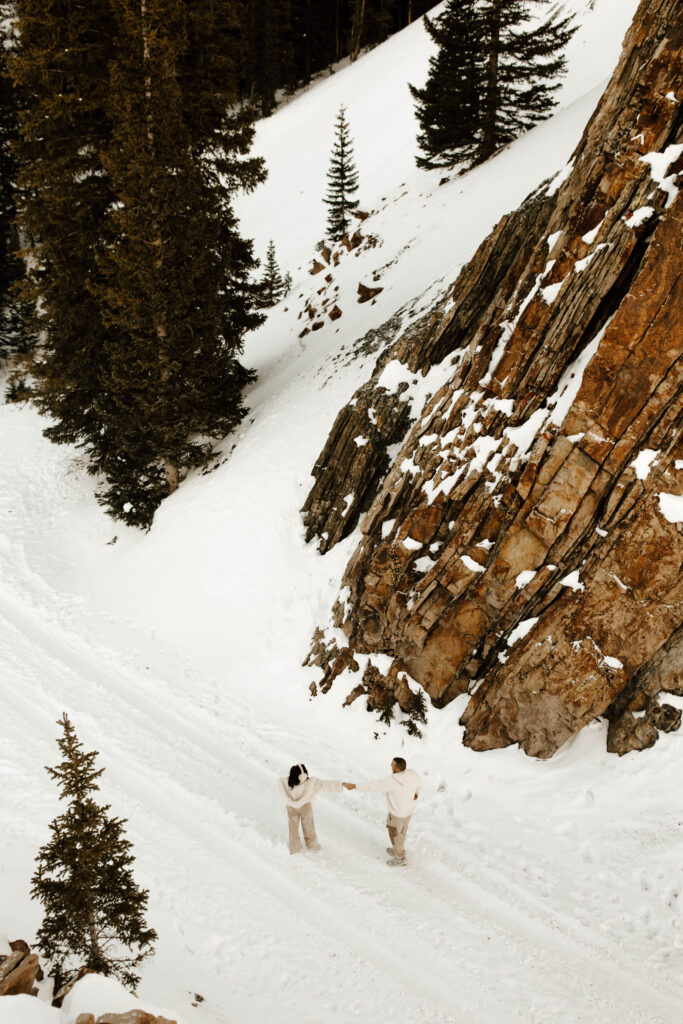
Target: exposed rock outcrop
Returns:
[[526, 545], [19, 970]]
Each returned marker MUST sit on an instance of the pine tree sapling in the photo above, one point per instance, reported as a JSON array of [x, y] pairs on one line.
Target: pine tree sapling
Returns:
[[342, 181], [94, 911], [272, 286]]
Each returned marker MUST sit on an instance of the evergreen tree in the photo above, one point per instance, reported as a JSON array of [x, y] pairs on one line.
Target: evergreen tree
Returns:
[[272, 284], [94, 911], [448, 108], [60, 71], [493, 77], [11, 267], [269, 51], [176, 294], [342, 180], [131, 151]]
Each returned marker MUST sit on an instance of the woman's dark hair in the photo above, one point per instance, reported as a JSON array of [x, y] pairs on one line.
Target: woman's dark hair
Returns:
[[295, 774]]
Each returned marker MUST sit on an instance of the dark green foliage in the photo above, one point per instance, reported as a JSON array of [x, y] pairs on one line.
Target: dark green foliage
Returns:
[[94, 911], [416, 709], [175, 294], [342, 181], [493, 77], [60, 74], [272, 286], [11, 267], [269, 51], [448, 108], [131, 153]]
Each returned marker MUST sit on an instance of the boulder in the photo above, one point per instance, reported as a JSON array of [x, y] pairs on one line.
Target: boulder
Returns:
[[63, 992], [365, 293], [19, 971], [132, 1017]]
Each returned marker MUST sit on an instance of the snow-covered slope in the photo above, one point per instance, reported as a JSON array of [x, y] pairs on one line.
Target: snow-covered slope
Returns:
[[536, 892]]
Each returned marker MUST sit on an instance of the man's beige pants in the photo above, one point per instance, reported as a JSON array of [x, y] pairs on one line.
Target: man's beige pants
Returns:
[[305, 816], [397, 829]]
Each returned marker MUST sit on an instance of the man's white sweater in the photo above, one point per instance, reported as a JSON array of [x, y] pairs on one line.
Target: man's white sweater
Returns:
[[306, 790], [400, 788]]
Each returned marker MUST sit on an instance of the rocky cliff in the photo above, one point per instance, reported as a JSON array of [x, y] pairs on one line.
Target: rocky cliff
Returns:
[[525, 544]]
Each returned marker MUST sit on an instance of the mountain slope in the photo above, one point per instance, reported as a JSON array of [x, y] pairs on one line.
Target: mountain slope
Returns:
[[531, 896]]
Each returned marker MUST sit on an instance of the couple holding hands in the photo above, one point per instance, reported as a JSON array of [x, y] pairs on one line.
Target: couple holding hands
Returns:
[[401, 789]]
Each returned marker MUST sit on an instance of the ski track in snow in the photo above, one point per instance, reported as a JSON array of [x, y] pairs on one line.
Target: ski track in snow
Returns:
[[436, 935], [536, 893]]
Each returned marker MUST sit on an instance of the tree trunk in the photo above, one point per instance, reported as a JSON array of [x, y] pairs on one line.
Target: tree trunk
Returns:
[[94, 941], [488, 145], [358, 24], [170, 469]]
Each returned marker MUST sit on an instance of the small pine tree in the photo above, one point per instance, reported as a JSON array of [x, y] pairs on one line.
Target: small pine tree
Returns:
[[287, 284], [342, 180], [94, 911], [492, 78], [272, 286]]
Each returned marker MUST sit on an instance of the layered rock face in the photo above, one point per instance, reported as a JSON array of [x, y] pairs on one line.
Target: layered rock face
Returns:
[[526, 544]]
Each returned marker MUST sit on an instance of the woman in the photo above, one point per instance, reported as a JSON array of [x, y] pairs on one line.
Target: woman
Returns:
[[298, 791]]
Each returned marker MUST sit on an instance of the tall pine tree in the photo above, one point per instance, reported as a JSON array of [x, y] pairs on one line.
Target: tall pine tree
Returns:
[[131, 151], [176, 297], [11, 267], [449, 107], [342, 181], [60, 70], [493, 77], [94, 910]]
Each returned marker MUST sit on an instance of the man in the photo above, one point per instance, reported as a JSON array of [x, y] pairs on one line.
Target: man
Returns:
[[401, 788]]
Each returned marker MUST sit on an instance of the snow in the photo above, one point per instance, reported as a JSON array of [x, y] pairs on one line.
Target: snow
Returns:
[[524, 435], [612, 662], [671, 506], [551, 292], [423, 565], [581, 265], [552, 239], [640, 216], [659, 165], [572, 580], [387, 527], [361, 441], [590, 236], [178, 655], [470, 564], [523, 578], [521, 630], [643, 461], [570, 381], [411, 544]]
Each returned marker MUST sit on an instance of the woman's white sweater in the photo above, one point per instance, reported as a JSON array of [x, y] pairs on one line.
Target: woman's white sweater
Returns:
[[306, 790]]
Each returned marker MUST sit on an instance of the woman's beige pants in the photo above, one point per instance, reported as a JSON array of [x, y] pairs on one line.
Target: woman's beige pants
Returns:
[[305, 816]]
